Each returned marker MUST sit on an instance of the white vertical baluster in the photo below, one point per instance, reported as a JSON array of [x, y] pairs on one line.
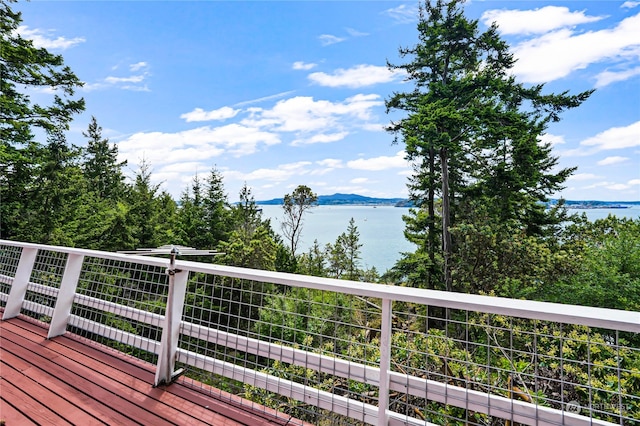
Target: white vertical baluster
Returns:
[[66, 295], [171, 331], [385, 363], [20, 282]]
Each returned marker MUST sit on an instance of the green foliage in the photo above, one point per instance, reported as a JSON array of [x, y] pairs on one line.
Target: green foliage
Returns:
[[314, 316], [607, 274], [251, 243], [27, 166], [24, 66], [472, 133], [295, 205]]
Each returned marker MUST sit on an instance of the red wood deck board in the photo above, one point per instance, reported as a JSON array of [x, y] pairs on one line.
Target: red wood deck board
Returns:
[[11, 415], [39, 390], [139, 376], [81, 400], [29, 407], [106, 390], [230, 406], [104, 384]]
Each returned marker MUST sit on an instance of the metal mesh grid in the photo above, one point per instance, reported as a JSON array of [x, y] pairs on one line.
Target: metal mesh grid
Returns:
[[48, 270], [320, 322], [567, 367], [9, 258], [110, 285]]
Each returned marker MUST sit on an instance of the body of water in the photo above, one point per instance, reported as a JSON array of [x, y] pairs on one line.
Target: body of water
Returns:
[[381, 229]]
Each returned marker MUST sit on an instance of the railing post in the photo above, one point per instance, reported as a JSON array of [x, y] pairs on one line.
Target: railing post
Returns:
[[66, 294], [165, 373], [385, 363], [20, 282]]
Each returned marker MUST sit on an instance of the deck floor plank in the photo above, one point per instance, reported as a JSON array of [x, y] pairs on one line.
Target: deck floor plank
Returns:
[[101, 411], [82, 382], [29, 406], [81, 379], [10, 414]]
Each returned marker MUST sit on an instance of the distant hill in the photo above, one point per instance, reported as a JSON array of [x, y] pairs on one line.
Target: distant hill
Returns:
[[595, 204], [345, 200], [360, 200]]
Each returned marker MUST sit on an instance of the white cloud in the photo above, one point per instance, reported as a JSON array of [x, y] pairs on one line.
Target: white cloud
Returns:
[[299, 65], [358, 76], [634, 182], [630, 4], [279, 174], [360, 180], [138, 66], [328, 39], [615, 138], [264, 98], [355, 33], [131, 82], [537, 21], [612, 160], [556, 54], [607, 77], [403, 14], [332, 163], [551, 139], [200, 143], [42, 40], [144, 88], [583, 176], [373, 127], [321, 138], [130, 79], [304, 114], [379, 163], [198, 114]]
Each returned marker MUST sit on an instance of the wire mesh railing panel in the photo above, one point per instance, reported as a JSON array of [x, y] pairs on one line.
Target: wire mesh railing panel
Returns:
[[315, 351], [557, 369], [293, 335], [47, 271], [113, 298], [9, 259]]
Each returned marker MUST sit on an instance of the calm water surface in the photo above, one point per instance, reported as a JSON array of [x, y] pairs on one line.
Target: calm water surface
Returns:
[[381, 229]]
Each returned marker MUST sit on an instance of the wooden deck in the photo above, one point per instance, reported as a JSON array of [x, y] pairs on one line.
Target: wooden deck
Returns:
[[67, 380]]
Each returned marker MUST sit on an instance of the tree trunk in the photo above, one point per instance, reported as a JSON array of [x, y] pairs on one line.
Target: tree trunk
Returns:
[[446, 220], [431, 233]]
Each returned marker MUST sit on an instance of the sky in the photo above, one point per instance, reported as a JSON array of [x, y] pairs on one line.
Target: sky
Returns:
[[280, 94]]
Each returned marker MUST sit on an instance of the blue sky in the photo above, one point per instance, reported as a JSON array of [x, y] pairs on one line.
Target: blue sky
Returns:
[[278, 94]]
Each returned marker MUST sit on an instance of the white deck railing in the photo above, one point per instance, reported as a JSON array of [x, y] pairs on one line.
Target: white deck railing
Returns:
[[338, 352]]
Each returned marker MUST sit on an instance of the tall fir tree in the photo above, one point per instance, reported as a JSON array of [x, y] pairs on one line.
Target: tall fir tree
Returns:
[[473, 134], [24, 67], [100, 164]]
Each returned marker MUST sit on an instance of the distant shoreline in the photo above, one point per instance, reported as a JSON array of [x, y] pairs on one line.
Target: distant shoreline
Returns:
[[360, 200]]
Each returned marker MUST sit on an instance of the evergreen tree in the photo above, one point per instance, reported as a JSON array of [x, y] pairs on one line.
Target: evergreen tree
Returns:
[[191, 217], [24, 67], [352, 245], [101, 167], [472, 133], [152, 213], [217, 212], [313, 261], [251, 243], [55, 194]]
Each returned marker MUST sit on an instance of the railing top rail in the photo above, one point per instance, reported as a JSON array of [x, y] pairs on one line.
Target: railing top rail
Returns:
[[571, 314], [147, 260]]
